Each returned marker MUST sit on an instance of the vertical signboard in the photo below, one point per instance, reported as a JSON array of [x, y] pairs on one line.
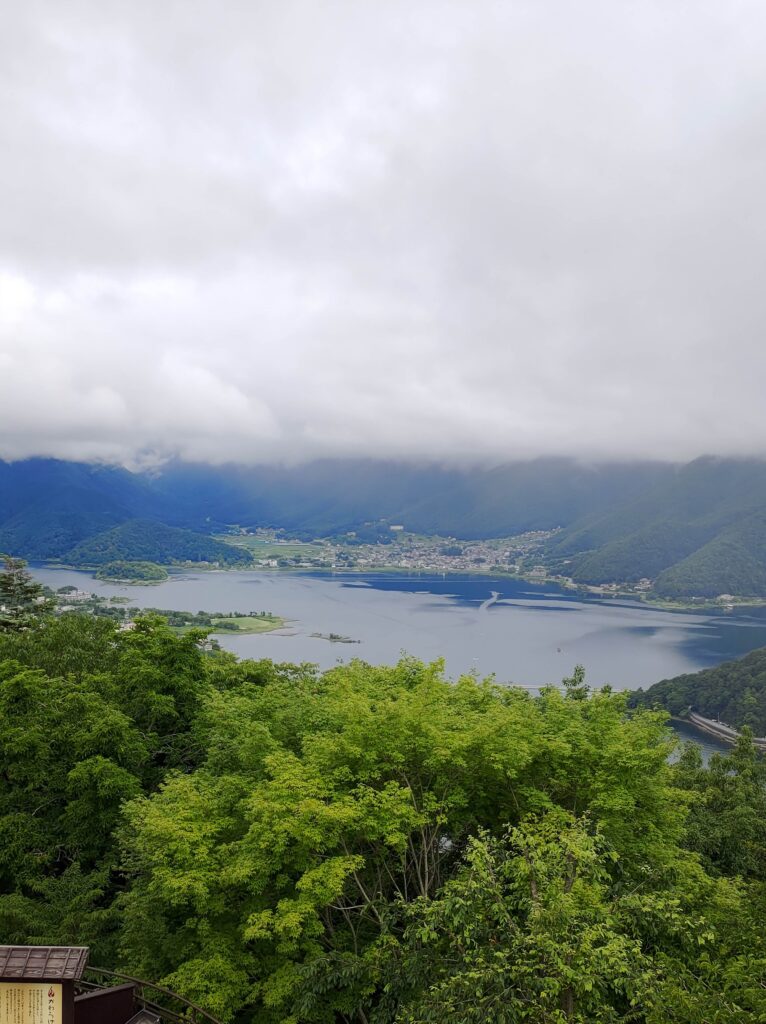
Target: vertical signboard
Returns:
[[30, 1002]]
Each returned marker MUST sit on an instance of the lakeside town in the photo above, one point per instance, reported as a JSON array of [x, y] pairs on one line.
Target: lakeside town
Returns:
[[402, 551], [377, 547], [521, 556]]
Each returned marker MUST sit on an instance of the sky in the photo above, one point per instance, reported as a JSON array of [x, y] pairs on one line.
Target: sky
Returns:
[[459, 231]]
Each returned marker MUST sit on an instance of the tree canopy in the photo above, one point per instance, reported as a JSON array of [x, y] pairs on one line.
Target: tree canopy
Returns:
[[23, 601], [735, 691], [371, 844]]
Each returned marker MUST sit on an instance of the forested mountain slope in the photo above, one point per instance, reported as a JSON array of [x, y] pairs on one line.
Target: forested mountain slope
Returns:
[[141, 540], [735, 691], [734, 562], [46, 507], [702, 531]]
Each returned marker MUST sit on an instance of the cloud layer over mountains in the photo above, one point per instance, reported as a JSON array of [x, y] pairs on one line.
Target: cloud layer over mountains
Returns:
[[436, 229]]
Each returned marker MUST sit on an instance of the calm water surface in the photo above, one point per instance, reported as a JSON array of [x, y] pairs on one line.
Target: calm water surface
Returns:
[[709, 744], [531, 635]]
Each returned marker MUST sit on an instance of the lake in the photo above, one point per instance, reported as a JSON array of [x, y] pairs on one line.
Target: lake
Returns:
[[530, 635], [709, 744]]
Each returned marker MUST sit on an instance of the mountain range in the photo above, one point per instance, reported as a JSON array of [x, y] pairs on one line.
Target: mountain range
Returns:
[[700, 531], [695, 529]]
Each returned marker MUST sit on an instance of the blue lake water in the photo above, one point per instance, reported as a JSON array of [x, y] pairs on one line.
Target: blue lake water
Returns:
[[531, 635], [687, 733]]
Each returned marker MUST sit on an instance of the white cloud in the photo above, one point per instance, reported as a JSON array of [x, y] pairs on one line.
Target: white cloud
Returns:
[[484, 230]]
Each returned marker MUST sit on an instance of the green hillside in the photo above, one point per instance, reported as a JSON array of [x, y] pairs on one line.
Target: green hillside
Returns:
[[47, 506], [734, 562], [735, 691], [144, 572], [702, 532], [141, 540], [643, 553], [52, 527]]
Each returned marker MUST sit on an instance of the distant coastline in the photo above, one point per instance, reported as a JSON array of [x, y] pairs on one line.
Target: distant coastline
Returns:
[[602, 592]]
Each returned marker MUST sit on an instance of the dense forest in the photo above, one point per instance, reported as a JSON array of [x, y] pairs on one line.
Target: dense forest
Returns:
[[135, 571], [734, 562], [149, 542], [368, 844], [700, 532], [734, 691]]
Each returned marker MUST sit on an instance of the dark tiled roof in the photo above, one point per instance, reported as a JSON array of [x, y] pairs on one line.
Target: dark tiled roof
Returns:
[[49, 962]]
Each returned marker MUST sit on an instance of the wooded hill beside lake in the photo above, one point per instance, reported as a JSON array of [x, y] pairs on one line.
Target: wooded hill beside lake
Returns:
[[734, 691]]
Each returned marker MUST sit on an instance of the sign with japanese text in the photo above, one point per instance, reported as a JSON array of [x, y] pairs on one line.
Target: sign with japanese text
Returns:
[[30, 1002]]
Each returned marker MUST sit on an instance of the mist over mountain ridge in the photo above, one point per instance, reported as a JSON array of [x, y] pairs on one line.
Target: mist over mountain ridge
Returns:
[[697, 529], [42, 498]]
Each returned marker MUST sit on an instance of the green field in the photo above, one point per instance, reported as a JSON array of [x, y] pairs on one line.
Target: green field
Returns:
[[249, 624]]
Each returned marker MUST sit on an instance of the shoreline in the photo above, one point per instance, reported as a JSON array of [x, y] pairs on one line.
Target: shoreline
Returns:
[[564, 583], [717, 730]]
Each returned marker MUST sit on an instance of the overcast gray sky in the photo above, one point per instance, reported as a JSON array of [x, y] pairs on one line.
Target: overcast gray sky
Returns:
[[264, 230]]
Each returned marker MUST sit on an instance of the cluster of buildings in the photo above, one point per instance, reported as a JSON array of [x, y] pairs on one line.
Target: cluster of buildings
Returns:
[[417, 554]]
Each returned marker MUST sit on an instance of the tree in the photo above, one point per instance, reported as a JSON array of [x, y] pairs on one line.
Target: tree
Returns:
[[328, 804], [89, 718], [537, 927], [23, 602], [528, 931], [372, 845], [727, 819]]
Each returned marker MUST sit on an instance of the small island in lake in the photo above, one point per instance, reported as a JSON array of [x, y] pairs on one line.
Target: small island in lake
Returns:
[[335, 638], [132, 572], [220, 622]]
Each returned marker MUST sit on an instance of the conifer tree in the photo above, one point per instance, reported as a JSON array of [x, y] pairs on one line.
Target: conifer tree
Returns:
[[23, 602]]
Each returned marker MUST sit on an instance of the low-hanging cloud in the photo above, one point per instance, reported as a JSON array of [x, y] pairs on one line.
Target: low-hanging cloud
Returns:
[[423, 230]]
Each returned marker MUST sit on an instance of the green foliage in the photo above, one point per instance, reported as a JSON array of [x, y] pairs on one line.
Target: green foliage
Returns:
[[532, 928], [327, 804], [371, 844], [70, 644], [700, 533], [148, 541], [89, 718], [734, 562], [23, 602], [727, 820], [735, 691], [138, 571], [538, 926]]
